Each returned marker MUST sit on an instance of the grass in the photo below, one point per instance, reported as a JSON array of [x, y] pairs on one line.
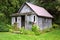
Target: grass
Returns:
[[53, 35]]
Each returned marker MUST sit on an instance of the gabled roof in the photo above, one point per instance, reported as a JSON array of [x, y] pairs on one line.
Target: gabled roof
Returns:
[[40, 11]]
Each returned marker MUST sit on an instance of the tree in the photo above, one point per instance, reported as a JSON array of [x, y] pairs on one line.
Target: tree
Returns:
[[8, 7], [52, 6]]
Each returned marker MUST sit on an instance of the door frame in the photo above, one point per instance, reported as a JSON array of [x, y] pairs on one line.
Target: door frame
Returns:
[[23, 21]]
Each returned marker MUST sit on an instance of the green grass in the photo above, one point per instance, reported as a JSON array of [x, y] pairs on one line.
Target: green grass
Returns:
[[53, 35]]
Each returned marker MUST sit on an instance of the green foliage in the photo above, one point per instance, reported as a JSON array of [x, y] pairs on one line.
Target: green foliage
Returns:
[[3, 18], [13, 28], [56, 26], [4, 28], [24, 31], [53, 35], [55, 10], [10, 28], [35, 29], [46, 30], [8, 7]]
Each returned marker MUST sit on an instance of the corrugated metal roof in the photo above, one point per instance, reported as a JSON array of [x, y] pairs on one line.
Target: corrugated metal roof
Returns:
[[40, 11]]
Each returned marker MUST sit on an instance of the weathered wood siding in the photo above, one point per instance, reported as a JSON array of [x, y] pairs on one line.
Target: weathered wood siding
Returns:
[[49, 23], [25, 9], [19, 22], [13, 20], [30, 18], [40, 23], [44, 23], [27, 26]]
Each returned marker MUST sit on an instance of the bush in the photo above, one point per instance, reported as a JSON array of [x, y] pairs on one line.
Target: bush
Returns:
[[35, 29], [46, 30], [55, 26], [24, 31], [10, 28], [4, 28], [13, 28], [28, 32]]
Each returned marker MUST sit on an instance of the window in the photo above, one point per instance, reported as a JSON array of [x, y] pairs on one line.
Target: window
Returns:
[[34, 18], [15, 19]]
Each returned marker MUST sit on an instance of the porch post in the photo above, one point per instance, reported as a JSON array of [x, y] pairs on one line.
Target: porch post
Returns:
[[25, 21], [13, 20], [19, 22]]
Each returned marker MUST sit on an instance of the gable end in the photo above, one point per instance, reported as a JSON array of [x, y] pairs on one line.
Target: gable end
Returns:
[[25, 8]]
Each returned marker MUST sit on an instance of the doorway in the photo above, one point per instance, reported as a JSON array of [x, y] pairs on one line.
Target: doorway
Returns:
[[22, 20]]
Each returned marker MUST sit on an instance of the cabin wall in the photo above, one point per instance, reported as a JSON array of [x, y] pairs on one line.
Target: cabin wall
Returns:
[[18, 21], [49, 23], [30, 18], [44, 23], [25, 9], [40, 23]]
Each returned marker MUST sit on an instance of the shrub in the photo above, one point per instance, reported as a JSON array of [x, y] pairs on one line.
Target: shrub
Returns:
[[4, 28], [55, 26], [46, 30], [28, 32], [10, 28], [13, 28], [24, 31], [3, 23], [35, 29]]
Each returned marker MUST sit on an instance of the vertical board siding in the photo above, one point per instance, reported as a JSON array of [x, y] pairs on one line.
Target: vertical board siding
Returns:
[[50, 23], [25, 9], [13, 20], [44, 23], [40, 23], [36, 19], [19, 22], [27, 25], [30, 18]]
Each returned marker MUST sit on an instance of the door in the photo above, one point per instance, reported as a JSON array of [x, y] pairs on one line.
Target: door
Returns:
[[23, 21]]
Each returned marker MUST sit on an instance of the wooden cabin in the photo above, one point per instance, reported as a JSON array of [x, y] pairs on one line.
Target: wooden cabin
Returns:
[[29, 14]]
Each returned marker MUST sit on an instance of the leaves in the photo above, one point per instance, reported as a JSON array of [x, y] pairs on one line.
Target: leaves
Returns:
[[8, 7]]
